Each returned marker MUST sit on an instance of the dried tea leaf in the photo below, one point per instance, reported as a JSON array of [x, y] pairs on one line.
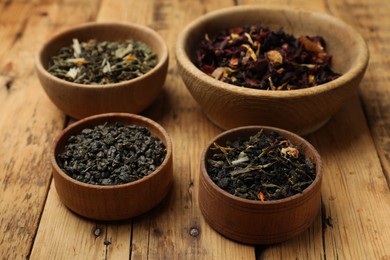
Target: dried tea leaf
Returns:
[[262, 167], [121, 52], [111, 154], [102, 62]]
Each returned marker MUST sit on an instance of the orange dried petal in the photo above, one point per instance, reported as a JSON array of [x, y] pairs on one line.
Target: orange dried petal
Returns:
[[261, 195], [310, 45], [129, 58], [234, 62]]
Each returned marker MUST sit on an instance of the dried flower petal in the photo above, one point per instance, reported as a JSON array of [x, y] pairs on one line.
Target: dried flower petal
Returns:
[[242, 157], [234, 62], [218, 73], [310, 45], [78, 61], [130, 57], [76, 48], [107, 67], [261, 196], [250, 51], [291, 151], [249, 38], [275, 57], [72, 73]]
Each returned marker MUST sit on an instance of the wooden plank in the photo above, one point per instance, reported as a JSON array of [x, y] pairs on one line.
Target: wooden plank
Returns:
[[371, 212], [23, 175], [355, 192], [28, 120], [75, 237], [372, 21]]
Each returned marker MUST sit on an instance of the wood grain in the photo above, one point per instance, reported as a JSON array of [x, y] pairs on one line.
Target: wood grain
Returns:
[[375, 88], [74, 237], [25, 133]]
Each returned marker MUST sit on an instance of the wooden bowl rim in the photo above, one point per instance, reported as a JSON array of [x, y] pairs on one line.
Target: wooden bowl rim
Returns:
[[162, 59], [183, 58], [294, 138], [135, 117]]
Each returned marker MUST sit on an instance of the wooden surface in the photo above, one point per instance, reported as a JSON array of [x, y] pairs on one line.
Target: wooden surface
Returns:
[[355, 147]]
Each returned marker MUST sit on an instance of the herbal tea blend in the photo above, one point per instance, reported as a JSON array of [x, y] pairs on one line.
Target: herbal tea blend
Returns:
[[111, 154], [264, 167], [95, 62], [256, 57]]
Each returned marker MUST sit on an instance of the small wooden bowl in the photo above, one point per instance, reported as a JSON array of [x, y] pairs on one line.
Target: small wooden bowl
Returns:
[[114, 202], [301, 111], [81, 100], [256, 222]]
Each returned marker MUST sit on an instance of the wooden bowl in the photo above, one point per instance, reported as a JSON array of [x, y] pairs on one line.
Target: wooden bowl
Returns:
[[114, 202], [256, 222], [81, 100], [303, 110]]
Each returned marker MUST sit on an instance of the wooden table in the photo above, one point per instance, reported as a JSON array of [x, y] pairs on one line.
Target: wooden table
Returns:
[[355, 146]]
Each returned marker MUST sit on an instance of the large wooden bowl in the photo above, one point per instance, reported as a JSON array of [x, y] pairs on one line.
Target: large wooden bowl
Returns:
[[256, 222], [81, 100], [114, 202], [303, 110]]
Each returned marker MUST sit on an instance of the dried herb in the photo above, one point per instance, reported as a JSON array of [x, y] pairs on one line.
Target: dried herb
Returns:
[[95, 62], [111, 154], [256, 57], [263, 167]]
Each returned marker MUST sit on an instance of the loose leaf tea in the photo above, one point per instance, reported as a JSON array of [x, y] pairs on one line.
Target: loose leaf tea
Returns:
[[264, 167], [111, 154], [256, 57], [95, 62]]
